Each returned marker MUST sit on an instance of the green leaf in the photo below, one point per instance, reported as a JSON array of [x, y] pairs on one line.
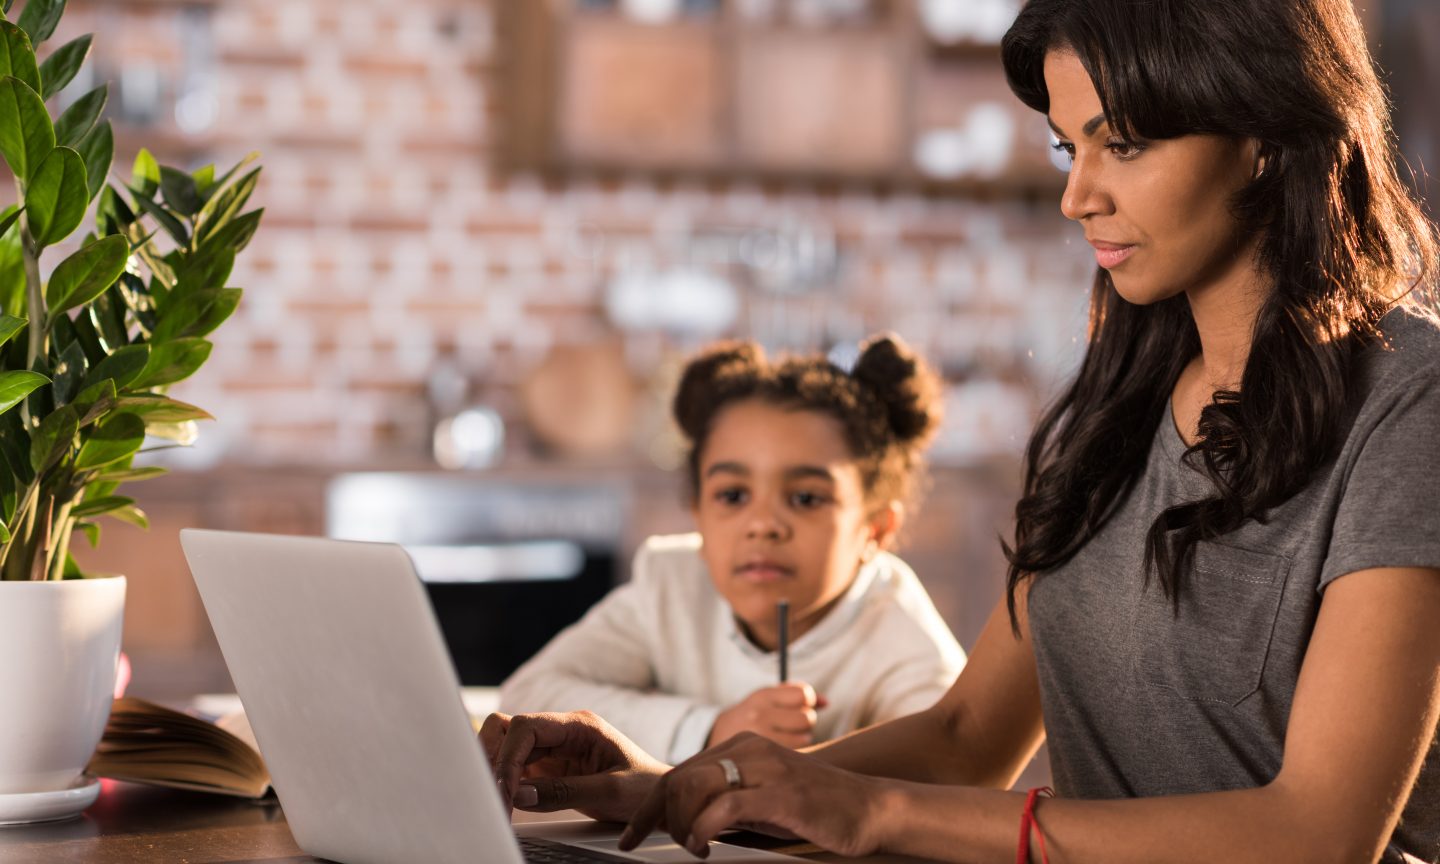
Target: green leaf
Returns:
[[236, 235], [179, 191], [9, 326], [161, 409], [17, 57], [112, 214], [85, 275], [223, 207], [26, 136], [122, 367], [167, 220], [205, 181], [108, 315], [97, 506], [40, 17], [94, 401], [80, 117], [69, 372], [12, 215], [60, 67], [57, 197], [131, 515], [205, 269], [197, 314], [15, 386], [91, 532], [54, 439], [97, 149], [183, 434], [173, 361], [131, 475], [112, 440], [145, 176]]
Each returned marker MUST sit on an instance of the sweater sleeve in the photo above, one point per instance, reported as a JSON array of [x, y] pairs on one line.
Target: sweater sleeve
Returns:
[[605, 663]]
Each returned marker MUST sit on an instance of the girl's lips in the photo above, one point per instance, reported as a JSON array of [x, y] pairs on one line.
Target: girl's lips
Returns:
[[762, 573], [1110, 255]]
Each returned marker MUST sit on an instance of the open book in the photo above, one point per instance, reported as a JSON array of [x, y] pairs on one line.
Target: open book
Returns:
[[148, 743]]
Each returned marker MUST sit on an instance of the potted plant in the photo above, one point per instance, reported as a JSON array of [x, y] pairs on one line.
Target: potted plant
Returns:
[[86, 356]]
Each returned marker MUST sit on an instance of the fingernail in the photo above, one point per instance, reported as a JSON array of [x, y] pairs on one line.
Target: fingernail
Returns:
[[696, 848], [625, 842], [527, 796]]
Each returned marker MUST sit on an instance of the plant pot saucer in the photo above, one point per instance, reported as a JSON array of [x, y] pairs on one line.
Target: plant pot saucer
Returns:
[[21, 808]]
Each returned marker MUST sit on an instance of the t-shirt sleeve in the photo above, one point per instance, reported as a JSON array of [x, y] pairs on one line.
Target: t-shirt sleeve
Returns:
[[1389, 512]]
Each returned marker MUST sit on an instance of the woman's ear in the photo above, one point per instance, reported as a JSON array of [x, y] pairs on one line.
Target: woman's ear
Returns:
[[1258, 158], [884, 526]]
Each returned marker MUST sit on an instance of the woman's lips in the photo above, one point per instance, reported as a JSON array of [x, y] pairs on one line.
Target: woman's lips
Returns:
[[763, 573], [1111, 255]]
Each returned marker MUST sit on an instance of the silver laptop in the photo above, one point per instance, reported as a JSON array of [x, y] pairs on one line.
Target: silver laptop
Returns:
[[344, 675]]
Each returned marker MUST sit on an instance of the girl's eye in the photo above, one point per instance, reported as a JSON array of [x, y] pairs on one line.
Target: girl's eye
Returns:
[[1064, 147], [1125, 150], [730, 496], [807, 499]]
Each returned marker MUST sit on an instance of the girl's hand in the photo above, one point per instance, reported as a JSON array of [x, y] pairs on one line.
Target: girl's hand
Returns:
[[547, 762], [785, 714], [781, 792]]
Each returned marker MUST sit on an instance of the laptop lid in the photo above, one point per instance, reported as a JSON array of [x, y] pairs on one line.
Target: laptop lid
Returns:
[[337, 658]]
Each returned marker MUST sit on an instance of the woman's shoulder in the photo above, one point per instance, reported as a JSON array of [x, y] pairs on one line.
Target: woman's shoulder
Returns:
[[1408, 350]]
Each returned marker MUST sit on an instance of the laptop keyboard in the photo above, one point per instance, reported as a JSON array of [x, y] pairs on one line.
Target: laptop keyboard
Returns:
[[538, 850]]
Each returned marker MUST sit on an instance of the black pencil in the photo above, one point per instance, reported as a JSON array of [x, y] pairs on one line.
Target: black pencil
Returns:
[[782, 616]]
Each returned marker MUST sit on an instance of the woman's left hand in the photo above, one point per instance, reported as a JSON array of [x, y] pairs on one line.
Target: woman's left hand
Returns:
[[780, 792]]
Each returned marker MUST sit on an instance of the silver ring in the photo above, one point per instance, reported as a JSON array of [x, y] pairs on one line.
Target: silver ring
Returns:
[[732, 773]]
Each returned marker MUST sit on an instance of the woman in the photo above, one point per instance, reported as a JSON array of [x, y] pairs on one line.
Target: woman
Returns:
[[1226, 570]]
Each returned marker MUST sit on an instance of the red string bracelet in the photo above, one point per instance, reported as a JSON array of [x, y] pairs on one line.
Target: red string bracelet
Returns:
[[1027, 821]]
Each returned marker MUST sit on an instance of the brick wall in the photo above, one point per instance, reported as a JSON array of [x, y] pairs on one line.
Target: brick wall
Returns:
[[390, 241]]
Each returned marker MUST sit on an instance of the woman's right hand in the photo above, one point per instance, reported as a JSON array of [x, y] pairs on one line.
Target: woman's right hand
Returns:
[[547, 762], [785, 714]]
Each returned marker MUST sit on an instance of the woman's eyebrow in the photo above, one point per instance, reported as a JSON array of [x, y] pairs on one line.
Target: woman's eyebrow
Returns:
[[1088, 129]]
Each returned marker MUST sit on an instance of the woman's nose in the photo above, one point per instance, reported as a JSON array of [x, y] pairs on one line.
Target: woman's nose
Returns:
[[1083, 196]]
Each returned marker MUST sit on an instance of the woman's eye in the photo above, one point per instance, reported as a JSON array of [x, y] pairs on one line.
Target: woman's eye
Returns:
[[1125, 149], [1064, 147]]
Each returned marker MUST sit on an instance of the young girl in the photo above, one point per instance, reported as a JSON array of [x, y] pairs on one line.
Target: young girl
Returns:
[[799, 473], [1225, 581]]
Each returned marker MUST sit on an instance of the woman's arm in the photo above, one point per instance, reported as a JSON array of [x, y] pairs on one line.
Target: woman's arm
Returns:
[[981, 733], [1364, 715]]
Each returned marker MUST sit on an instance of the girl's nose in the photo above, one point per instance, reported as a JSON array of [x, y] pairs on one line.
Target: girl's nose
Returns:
[[764, 524]]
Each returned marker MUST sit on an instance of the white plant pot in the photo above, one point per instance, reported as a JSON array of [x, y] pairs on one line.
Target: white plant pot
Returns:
[[59, 647]]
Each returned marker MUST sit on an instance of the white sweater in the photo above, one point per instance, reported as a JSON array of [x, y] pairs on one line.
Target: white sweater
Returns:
[[661, 656]]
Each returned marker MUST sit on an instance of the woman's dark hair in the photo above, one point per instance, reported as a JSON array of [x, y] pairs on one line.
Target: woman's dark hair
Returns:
[[1339, 235], [888, 405]]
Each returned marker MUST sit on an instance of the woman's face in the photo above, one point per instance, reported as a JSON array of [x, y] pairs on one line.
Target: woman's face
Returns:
[[1157, 212], [781, 510]]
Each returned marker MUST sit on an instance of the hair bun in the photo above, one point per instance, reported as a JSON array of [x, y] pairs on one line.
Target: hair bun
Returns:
[[904, 384], [692, 407]]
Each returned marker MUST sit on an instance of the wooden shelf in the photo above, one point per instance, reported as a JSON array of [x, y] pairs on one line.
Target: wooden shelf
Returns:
[[716, 97]]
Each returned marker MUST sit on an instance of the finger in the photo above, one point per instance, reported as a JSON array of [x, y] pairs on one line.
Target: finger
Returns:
[[492, 733], [794, 741], [794, 694], [791, 720], [527, 734], [548, 794], [742, 806], [691, 791], [647, 815]]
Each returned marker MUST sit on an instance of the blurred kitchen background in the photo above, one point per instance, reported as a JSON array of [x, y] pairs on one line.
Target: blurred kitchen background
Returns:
[[495, 228]]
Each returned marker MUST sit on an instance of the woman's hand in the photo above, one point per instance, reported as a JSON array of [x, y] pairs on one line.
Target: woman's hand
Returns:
[[781, 792], [784, 713], [547, 762]]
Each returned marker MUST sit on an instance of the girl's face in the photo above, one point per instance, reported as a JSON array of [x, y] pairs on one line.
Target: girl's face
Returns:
[[782, 514], [1158, 212]]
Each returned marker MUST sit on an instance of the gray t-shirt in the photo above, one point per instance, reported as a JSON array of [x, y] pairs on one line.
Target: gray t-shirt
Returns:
[[1139, 702]]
